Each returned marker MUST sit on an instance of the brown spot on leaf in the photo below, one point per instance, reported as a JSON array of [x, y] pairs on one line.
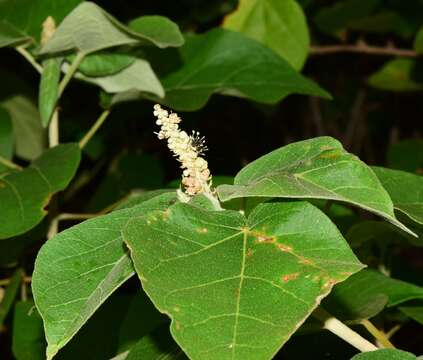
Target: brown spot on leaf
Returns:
[[178, 326], [263, 238], [249, 253], [304, 261], [2, 185], [329, 283], [289, 277], [330, 154], [284, 248], [202, 230]]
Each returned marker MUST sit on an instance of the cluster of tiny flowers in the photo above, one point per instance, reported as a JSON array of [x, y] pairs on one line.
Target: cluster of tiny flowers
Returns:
[[187, 149]]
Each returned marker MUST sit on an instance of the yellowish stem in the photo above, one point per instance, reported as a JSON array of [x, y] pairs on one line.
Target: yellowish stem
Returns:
[[378, 335]]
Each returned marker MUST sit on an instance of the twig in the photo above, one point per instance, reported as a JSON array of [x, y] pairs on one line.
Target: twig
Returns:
[[67, 216], [362, 48], [343, 331], [9, 164], [53, 129], [378, 335], [27, 55], [5, 282], [87, 137], [71, 71]]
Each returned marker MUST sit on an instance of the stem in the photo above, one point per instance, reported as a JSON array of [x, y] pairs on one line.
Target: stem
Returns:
[[94, 128], [363, 48], [71, 71], [27, 55], [9, 164], [66, 216], [53, 129], [378, 335], [5, 282], [343, 331]]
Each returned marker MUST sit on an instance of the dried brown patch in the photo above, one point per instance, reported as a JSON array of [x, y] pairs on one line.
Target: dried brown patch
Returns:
[[289, 277], [249, 253], [284, 248]]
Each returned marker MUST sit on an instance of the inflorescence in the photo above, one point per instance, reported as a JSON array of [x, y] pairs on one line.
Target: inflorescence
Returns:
[[188, 149]]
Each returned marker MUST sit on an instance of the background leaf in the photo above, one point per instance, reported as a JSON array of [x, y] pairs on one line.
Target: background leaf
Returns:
[[29, 134], [79, 268], [6, 137], [376, 291], [317, 168], [9, 297], [279, 262], [25, 194], [88, 28], [228, 63], [49, 89], [405, 190], [396, 75], [385, 354], [25, 17], [406, 155], [28, 334], [280, 25], [138, 76]]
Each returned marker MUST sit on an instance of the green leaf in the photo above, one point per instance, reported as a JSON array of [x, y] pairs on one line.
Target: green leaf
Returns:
[[156, 346], [418, 42], [49, 89], [9, 36], [24, 194], [317, 168], [280, 25], [28, 341], [9, 297], [88, 28], [385, 354], [140, 320], [6, 136], [333, 19], [396, 75], [98, 338], [376, 291], [414, 312], [161, 31], [78, 269], [28, 133], [22, 20], [228, 63], [406, 155], [405, 190], [103, 64], [230, 284], [139, 76]]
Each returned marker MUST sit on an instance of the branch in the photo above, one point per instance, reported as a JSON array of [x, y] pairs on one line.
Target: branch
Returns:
[[362, 47], [343, 331], [94, 129], [27, 55], [378, 335], [9, 164]]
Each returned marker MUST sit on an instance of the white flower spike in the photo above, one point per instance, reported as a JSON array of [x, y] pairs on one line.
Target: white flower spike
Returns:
[[188, 149]]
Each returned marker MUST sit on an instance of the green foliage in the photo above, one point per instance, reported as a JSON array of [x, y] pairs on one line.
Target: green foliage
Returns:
[[259, 259], [280, 25], [26, 193], [230, 267]]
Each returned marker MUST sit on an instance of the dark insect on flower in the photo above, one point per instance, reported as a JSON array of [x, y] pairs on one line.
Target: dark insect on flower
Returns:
[[198, 142]]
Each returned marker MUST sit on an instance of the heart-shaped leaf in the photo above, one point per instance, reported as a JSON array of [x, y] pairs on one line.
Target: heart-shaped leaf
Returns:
[[24, 194], [280, 25], [405, 190], [226, 62], [77, 270], [317, 168], [236, 287], [88, 28]]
